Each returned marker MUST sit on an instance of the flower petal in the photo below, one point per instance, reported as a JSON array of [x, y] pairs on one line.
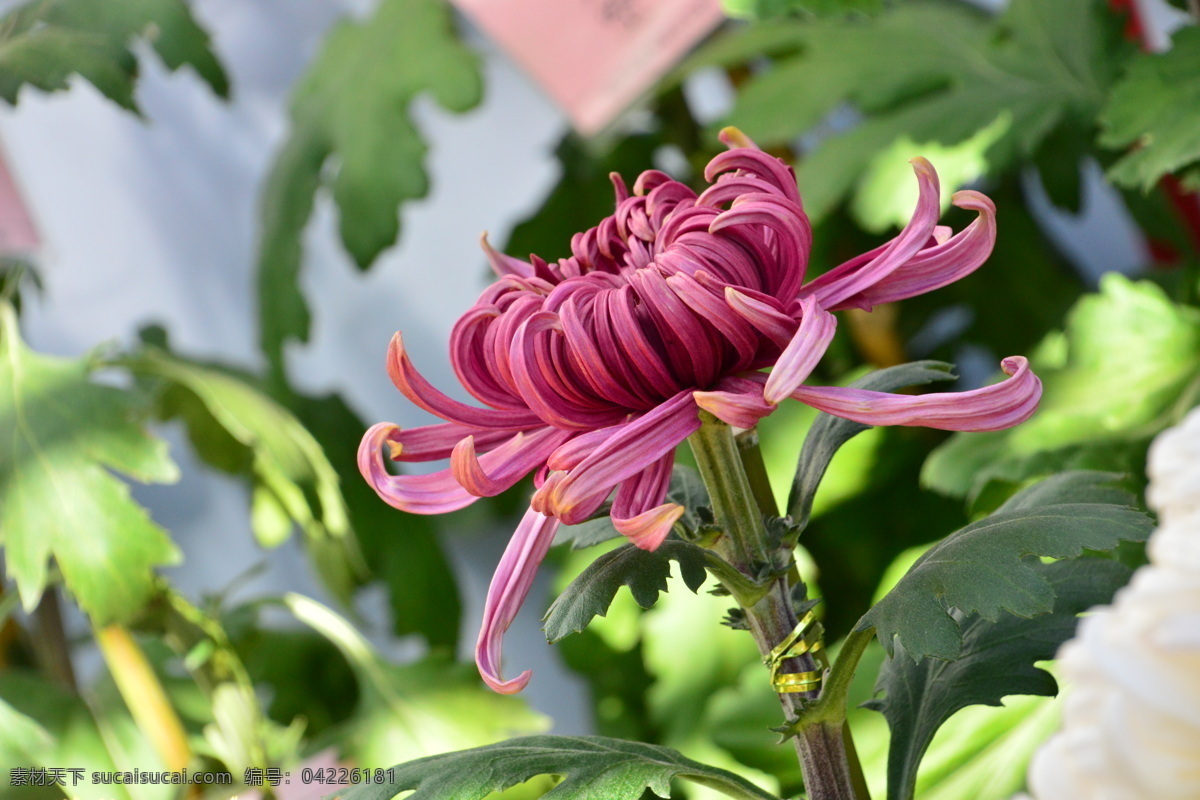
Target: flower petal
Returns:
[[437, 493], [435, 442], [638, 510], [422, 393], [836, 287], [504, 264], [510, 585], [991, 408], [504, 466], [803, 352], [737, 401]]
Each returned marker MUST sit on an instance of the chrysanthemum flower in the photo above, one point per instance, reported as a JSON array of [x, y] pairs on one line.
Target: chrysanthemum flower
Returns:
[[591, 371]]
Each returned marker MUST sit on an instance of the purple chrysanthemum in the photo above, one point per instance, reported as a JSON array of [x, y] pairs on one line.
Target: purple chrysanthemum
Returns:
[[593, 370]]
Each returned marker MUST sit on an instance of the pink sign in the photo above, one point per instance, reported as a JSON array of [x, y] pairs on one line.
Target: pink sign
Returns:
[[595, 57], [18, 237]]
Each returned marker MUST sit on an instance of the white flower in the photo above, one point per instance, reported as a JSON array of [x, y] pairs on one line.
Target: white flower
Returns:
[[1131, 718]]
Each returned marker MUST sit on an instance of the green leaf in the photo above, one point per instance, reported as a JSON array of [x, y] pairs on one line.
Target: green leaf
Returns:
[[45, 42], [419, 709], [997, 659], [1122, 371], [773, 9], [828, 433], [237, 428], [57, 496], [591, 766], [1155, 111], [982, 569], [352, 109], [644, 572], [929, 73]]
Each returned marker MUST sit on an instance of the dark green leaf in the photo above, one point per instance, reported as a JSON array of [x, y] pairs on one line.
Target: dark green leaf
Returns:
[[982, 569], [1155, 112], [828, 433], [588, 533], [591, 766], [352, 108], [235, 427], [997, 660], [644, 572], [44, 42], [57, 496]]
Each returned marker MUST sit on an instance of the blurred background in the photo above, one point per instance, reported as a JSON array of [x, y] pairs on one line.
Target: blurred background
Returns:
[[239, 202]]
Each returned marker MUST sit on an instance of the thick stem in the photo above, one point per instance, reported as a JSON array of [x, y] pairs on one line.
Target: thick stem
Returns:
[[827, 774], [50, 646]]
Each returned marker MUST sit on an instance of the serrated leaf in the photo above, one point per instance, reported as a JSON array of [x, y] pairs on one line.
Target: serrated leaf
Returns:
[[57, 496], [591, 766], [417, 709], [1155, 110], [828, 433], [235, 427], [1111, 382], [982, 568], [45, 42], [997, 660], [352, 108], [644, 572]]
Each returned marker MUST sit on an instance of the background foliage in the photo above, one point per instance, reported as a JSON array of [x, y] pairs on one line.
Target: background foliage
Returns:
[[1016, 103]]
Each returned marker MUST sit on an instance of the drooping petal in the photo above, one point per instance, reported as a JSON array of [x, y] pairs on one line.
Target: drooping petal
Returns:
[[510, 585], [434, 442], [504, 466], [836, 287], [638, 511], [437, 493], [991, 408], [763, 313], [800, 357], [737, 401], [627, 452], [422, 393]]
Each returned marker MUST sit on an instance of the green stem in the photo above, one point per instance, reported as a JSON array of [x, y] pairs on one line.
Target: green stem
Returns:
[[820, 746]]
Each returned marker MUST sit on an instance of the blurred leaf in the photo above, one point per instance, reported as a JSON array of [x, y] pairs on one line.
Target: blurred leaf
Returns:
[[771, 9], [1122, 371], [57, 496], [44, 42], [737, 46], [400, 549], [591, 766], [1155, 111], [828, 433], [933, 73], [420, 709], [352, 109], [997, 660], [644, 572], [235, 427], [982, 569], [21, 737]]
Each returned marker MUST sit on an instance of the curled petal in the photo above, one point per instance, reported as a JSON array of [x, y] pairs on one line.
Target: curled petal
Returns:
[[638, 510], [737, 401], [803, 352], [504, 264], [763, 313], [422, 393], [991, 408], [510, 585], [437, 493], [501, 468], [571, 453], [950, 260], [834, 289], [627, 452]]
